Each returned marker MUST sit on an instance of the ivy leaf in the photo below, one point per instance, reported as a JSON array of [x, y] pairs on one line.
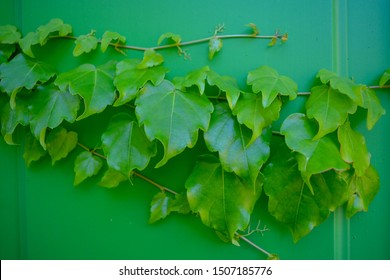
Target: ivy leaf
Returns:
[[53, 26], [385, 78], [270, 83], [223, 201], [373, 105], [329, 107], [172, 116], [11, 118], [33, 150], [9, 34], [22, 72], [126, 145], [171, 36], [130, 78], [49, 108], [160, 207], [343, 85], [226, 84], [109, 37], [353, 148], [290, 202], [60, 143], [112, 178], [42, 34], [250, 112], [299, 132], [215, 45], [364, 189], [93, 84], [5, 52], [86, 165], [151, 58], [230, 139], [196, 77], [85, 44]]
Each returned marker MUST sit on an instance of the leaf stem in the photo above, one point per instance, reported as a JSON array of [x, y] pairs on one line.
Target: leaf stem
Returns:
[[254, 245], [181, 44], [162, 188]]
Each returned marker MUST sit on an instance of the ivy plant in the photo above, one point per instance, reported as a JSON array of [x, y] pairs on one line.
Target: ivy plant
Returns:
[[316, 162]]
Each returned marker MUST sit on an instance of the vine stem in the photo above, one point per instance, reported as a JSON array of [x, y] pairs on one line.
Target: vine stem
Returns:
[[162, 188], [254, 245], [181, 44]]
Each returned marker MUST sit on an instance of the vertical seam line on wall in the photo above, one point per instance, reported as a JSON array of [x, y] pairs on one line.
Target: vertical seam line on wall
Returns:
[[341, 230]]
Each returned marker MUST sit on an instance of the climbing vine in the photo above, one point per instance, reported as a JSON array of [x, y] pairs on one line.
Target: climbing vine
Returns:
[[314, 164]]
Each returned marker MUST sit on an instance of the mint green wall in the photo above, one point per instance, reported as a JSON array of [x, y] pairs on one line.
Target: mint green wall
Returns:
[[42, 216]]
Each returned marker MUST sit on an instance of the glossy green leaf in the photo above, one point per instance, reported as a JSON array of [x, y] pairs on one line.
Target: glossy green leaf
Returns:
[[130, 79], [160, 207], [299, 132], [343, 85], [223, 201], [385, 77], [215, 45], [250, 112], [93, 84], [126, 145], [268, 81], [85, 44], [9, 34], [5, 52], [33, 150], [373, 105], [110, 37], [194, 78], [112, 178], [11, 118], [60, 143], [226, 84], [170, 36], [329, 107], [231, 140], [353, 148], [22, 72], [291, 202], [172, 116], [364, 189], [86, 165], [150, 59], [49, 108]]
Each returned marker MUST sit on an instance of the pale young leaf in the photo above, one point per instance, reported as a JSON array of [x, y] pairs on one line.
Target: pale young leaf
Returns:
[[160, 207], [9, 34], [215, 45], [112, 178], [60, 143], [85, 44], [110, 37]]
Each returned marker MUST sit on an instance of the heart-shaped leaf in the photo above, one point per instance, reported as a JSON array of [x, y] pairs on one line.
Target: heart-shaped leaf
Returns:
[[329, 107], [60, 143], [268, 81], [109, 37], [250, 112], [215, 45], [231, 140], [290, 201], [33, 150], [112, 178], [126, 145], [299, 132], [49, 108], [172, 116], [9, 34], [159, 207], [196, 77], [85, 44], [130, 79], [93, 84], [226, 84], [86, 165], [223, 201], [385, 77], [373, 105]]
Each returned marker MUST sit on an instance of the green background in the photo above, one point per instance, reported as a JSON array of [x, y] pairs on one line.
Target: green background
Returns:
[[42, 216]]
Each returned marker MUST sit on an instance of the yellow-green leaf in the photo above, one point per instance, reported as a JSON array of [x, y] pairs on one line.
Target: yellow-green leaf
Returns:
[[86, 165], [85, 44], [215, 45], [226, 84], [373, 105], [110, 37], [33, 150], [385, 77], [112, 178], [60, 143], [9, 34]]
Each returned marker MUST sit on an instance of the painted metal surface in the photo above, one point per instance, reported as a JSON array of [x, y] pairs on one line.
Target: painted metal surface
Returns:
[[42, 216]]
